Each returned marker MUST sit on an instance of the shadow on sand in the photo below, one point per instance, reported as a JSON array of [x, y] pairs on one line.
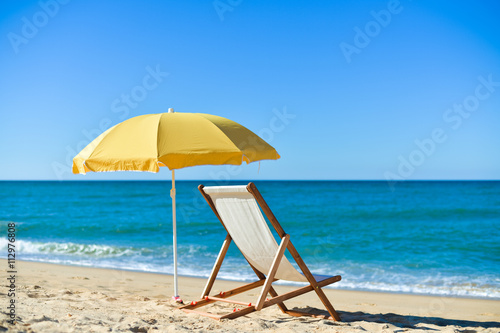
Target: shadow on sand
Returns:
[[413, 322]]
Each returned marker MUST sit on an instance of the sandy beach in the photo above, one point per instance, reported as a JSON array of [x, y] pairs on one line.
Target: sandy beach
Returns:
[[58, 298]]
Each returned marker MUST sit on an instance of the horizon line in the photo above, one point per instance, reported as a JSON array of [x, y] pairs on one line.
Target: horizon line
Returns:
[[251, 180]]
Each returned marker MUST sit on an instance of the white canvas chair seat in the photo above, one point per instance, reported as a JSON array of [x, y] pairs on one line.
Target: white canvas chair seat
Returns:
[[239, 210], [245, 223]]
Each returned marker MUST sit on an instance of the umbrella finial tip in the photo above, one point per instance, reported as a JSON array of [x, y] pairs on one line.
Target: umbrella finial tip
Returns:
[[170, 110]]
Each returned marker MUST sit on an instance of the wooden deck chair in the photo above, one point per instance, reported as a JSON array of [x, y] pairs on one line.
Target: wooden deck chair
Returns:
[[237, 208]]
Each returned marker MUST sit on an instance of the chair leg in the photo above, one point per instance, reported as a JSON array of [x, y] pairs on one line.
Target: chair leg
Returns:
[[300, 291], [217, 265], [313, 282], [273, 292], [327, 304], [280, 305], [272, 272]]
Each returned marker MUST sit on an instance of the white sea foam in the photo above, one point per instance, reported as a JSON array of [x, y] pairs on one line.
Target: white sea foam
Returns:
[[196, 261], [90, 250]]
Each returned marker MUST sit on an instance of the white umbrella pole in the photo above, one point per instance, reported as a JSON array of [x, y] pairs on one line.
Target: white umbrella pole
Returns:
[[174, 223]]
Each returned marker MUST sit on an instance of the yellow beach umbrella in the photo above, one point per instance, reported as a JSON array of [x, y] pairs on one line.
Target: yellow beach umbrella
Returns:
[[174, 140]]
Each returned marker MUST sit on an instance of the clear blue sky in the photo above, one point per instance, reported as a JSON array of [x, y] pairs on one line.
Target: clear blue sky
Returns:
[[364, 89]]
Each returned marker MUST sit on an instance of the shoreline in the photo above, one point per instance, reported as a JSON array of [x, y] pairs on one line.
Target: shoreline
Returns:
[[64, 298], [279, 283]]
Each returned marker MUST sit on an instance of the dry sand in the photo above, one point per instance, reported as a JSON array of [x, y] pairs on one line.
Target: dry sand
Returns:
[[58, 298]]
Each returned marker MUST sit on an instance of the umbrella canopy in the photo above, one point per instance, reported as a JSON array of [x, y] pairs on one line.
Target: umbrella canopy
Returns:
[[174, 140]]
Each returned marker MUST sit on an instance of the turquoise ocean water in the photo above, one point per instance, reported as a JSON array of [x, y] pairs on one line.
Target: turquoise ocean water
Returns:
[[428, 237]]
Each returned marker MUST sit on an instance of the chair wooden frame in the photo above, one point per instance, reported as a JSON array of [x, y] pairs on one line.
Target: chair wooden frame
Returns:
[[264, 281]]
